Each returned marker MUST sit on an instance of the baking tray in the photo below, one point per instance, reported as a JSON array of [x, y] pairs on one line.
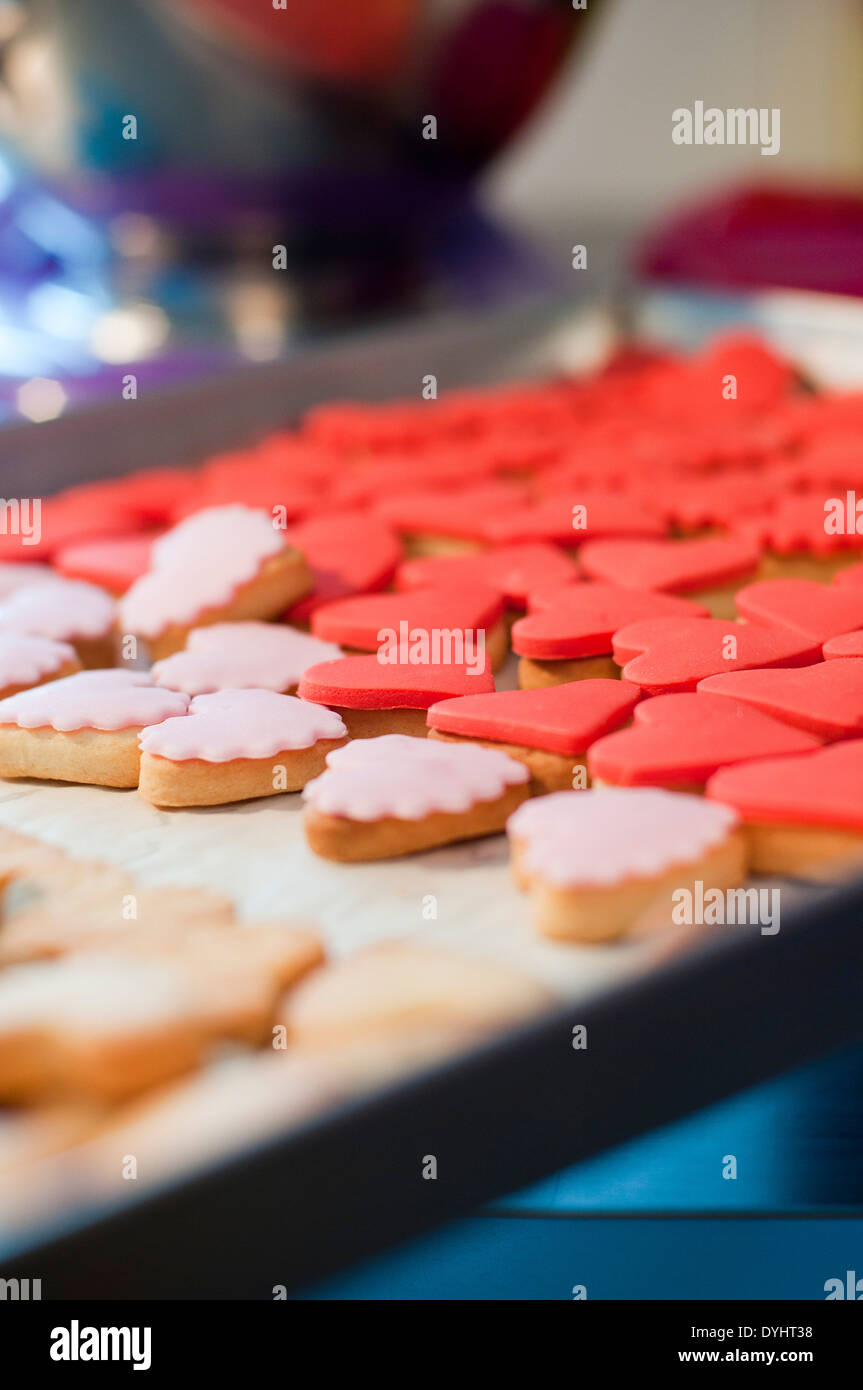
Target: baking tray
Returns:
[[667, 1034]]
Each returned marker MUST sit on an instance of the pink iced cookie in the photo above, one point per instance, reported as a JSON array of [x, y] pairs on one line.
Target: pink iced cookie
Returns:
[[225, 562], [26, 661], [601, 862], [105, 700], [238, 656], [14, 577], [83, 728], [235, 745], [64, 610], [382, 797]]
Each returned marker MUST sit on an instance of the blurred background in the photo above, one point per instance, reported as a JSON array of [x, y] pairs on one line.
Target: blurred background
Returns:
[[153, 154], [157, 155]]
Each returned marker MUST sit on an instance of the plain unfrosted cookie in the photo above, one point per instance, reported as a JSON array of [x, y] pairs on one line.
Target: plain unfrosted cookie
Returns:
[[384, 797], [83, 728], [603, 862], [235, 745], [240, 656], [220, 565], [399, 990]]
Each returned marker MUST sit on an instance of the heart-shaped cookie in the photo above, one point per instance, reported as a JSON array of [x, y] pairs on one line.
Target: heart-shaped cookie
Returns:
[[562, 718], [348, 552], [680, 740], [242, 656], [674, 654], [375, 698], [573, 518], [578, 620], [847, 644], [817, 611], [513, 570], [671, 566], [825, 699], [819, 791], [239, 744], [368, 621], [220, 564], [114, 563]]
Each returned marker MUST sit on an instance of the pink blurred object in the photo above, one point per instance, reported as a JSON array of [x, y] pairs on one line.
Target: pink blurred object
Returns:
[[753, 238]]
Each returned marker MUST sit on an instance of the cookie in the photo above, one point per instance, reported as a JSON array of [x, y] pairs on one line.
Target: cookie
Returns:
[[79, 514], [513, 570], [548, 730], [665, 656], [802, 816], [347, 553], [235, 745], [471, 619], [796, 540], [64, 611], [239, 656], [818, 611], [440, 523], [27, 661], [22, 575], [384, 797], [848, 644], [108, 1024], [114, 562], [604, 862], [222, 565], [83, 728], [570, 520], [375, 698], [825, 699], [708, 569], [399, 990], [678, 741], [567, 635]]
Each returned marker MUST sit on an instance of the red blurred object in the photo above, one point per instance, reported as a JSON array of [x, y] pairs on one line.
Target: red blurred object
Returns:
[[751, 238], [349, 553], [115, 563]]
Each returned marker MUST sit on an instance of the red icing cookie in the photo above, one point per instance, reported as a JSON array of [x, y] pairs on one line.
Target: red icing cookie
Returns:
[[680, 740], [676, 653], [852, 577], [826, 699], [571, 519], [461, 514], [348, 553], [719, 499], [847, 644], [818, 611], [77, 515], [358, 622], [514, 570], [824, 788], [797, 524], [363, 682], [562, 718], [672, 566], [579, 619], [114, 563]]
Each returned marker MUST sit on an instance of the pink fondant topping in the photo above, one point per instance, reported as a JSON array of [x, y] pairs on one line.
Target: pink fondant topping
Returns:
[[409, 778], [24, 660], [241, 724], [14, 577], [199, 565], [62, 609], [106, 700], [611, 835], [239, 656]]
